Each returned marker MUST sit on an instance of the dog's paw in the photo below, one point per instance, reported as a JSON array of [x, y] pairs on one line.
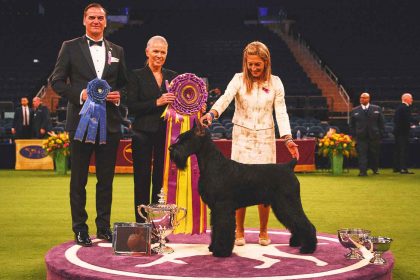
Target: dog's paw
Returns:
[[307, 249], [294, 241], [222, 254]]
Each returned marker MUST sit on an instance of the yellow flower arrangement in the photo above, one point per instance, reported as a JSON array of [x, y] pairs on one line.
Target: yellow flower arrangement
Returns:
[[336, 144], [57, 143]]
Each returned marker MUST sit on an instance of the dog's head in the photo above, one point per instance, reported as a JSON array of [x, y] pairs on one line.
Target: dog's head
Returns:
[[188, 143]]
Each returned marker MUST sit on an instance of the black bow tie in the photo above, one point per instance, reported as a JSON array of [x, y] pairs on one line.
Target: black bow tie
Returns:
[[91, 43]]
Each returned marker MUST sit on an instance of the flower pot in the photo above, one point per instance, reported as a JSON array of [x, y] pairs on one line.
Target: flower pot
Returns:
[[337, 164], [61, 164]]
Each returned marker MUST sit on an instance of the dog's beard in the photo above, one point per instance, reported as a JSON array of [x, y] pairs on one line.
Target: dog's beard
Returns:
[[179, 157]]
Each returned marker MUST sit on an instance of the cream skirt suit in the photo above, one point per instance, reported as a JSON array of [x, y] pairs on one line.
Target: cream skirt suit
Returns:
[[253, 136]]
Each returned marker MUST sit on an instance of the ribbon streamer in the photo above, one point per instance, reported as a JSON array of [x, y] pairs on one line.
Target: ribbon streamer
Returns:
[[181, 186], [93, 113]]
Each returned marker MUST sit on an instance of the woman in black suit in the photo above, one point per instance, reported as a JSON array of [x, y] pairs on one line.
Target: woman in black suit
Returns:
[[147, 99]]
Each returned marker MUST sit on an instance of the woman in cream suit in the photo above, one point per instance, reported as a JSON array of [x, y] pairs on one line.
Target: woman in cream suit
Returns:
[[257, 93]]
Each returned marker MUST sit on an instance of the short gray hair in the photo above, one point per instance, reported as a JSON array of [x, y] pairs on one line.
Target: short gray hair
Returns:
[[155, 39]]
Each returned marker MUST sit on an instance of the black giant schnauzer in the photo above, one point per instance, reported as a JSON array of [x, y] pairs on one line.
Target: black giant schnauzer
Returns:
[[226, 185]]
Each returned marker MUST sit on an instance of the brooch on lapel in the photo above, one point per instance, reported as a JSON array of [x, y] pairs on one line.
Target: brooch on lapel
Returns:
[[266, 90]]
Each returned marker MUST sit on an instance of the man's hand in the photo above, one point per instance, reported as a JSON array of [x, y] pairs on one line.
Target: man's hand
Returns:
[[166, 98], [84, 95], [13, 131], [114, 97], [42, 131]]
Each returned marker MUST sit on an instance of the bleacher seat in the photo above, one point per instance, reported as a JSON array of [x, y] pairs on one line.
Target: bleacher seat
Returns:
[[315, 131]]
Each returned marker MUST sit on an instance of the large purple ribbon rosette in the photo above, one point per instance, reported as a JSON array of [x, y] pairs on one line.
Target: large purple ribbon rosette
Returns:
[[181, 186], [190, 92]]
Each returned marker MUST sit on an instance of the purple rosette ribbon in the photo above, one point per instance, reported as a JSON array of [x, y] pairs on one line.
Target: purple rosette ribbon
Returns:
[[190, 94], [182, 185], [93, 113]]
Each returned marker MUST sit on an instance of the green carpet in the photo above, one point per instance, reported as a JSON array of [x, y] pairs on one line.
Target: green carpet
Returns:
[[35, 214]]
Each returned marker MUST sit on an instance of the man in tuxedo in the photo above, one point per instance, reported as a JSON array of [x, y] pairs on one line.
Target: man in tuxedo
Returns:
[[22, 120], [41, 123], [367, 124], [402, 124], [79, 61]]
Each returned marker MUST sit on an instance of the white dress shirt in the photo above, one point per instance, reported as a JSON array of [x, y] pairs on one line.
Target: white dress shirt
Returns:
[[98, 54], [365, 107], [25, 114], [98, 57]]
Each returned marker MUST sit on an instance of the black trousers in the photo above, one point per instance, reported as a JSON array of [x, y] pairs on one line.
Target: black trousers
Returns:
[[105, 155], [401, 152], [148, 159], [24, 133], [368, 154]]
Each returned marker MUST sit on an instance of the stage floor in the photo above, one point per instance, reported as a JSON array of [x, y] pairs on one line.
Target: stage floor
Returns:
[[192, 260]]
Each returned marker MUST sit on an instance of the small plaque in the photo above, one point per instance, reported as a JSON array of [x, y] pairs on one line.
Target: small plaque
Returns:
[[132, 239]]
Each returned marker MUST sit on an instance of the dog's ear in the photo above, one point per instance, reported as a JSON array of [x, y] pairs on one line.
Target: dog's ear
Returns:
[[199, 129]]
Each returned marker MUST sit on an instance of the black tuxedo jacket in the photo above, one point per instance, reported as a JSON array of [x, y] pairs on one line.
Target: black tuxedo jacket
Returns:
[[142, 93], [402, 120], [74, 69], [367, 125], [18, 119]]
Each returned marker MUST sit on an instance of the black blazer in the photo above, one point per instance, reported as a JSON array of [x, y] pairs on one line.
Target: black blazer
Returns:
[[367, 125], [18, 119], [41, 119], [402, 120], [142, 93], [74, 69]]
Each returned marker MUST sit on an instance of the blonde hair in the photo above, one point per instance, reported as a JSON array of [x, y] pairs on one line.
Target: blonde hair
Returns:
[[260, 49]]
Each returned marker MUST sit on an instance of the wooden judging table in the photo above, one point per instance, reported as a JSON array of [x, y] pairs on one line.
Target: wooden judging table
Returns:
[[306, 161]]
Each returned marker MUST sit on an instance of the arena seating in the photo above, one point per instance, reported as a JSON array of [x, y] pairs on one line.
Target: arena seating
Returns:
[[208, 40]]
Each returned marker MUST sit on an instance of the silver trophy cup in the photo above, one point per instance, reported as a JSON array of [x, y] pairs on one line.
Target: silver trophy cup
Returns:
[[164, 219], [353, 238], [379, 245]]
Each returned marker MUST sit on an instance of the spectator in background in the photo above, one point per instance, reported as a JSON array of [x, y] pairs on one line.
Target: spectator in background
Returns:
[[257, 94], [41, 123], [403, 121], [367, 124], [22, 121], [214, 94]]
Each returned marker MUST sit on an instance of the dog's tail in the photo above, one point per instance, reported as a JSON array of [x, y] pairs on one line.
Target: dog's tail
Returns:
[[291, 164]]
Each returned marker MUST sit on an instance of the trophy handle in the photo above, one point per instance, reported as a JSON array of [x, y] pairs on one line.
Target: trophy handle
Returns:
[[139, 211], [183, 217]]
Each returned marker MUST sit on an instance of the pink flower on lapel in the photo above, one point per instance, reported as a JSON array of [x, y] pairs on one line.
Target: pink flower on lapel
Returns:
[[109, 57], [266, 90]]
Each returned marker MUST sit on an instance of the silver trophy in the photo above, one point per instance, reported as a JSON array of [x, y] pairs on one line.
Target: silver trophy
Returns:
[[353, 238], [164, 219], [379, 245]]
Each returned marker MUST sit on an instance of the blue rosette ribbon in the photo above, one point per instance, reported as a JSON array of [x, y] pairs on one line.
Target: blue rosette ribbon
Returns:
[[93, 113]]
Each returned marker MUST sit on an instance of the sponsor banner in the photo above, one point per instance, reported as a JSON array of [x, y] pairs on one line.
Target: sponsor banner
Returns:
[[31, 156]]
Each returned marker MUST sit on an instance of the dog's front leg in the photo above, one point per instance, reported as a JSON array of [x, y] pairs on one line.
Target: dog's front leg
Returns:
[[223, 229]]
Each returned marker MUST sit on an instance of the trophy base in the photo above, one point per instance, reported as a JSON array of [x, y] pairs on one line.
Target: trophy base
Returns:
[[354, 255], [162, 250], [378, 260]]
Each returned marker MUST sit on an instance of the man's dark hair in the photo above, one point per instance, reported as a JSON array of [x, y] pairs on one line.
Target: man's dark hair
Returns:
[[93, 5]]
